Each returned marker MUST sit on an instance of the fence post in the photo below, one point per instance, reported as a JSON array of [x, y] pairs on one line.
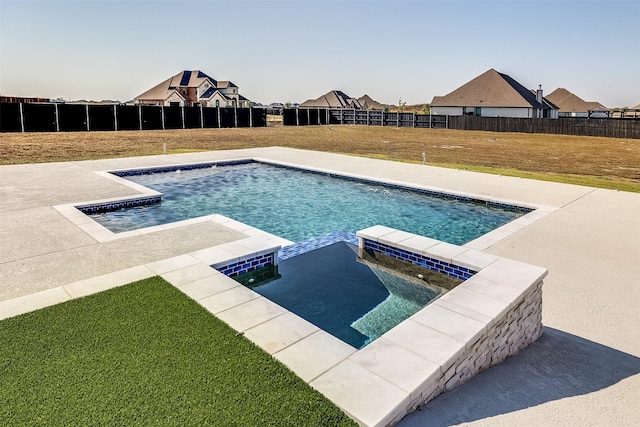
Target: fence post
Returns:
[[430, 127], [115, 117], [308, 117], [250, 117], [414, 119], [235, 116], [446, 121], [341, 117], [398, 119], [57, 118], [297, 118], [182, 113], [219, 123], [201, 117], [162, 115], [328, 115], [140, 116], [87, 111], [21, 118], [368, 121]]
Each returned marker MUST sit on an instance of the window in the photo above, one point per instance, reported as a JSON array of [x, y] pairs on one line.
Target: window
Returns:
[[217, 102]]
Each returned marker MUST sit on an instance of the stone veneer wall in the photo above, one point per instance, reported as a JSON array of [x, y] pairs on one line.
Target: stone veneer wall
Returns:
[[520, 326]]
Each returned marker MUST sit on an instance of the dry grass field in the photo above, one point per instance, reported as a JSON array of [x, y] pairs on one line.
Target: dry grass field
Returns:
[[599, 162]]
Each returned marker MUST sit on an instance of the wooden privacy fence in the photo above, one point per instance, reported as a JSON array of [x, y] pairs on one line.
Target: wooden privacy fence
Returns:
[[579, 126], [604, 127], [53, 117]]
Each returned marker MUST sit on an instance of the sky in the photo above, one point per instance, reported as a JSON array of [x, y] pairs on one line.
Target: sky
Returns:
[[291, 51]]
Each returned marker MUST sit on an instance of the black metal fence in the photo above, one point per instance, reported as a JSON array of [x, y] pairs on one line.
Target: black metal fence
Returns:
[[605, 127], [53, 117], [324, 116]]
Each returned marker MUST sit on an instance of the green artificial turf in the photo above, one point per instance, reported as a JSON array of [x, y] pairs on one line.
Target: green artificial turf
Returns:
[[145, 354]]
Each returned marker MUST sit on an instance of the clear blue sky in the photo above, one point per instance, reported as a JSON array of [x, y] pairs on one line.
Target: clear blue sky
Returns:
[[279, 51]]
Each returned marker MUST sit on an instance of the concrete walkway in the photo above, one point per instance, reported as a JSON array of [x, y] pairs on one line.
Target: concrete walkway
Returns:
[[585, 370]]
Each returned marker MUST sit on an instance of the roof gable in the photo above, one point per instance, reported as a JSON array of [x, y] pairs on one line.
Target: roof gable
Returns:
[[225, 84], [367, 102], [490, 89], [568, 102], [188, 78], [212, 93]]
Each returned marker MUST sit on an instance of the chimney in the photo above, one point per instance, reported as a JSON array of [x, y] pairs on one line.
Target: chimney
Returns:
[[539, 94]]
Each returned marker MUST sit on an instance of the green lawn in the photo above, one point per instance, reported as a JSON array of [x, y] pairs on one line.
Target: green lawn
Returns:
[[145, 354]]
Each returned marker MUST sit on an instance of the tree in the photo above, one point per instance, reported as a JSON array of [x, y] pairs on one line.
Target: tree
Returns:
[[426, 109], [401, 105]]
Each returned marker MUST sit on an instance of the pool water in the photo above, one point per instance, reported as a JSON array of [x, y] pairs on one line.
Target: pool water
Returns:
[[297, 205], [351, 300]]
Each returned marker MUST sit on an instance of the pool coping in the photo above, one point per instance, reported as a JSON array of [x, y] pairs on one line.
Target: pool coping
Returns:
[[373, 393]]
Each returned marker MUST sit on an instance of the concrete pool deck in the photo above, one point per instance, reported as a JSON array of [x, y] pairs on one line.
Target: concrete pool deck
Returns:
[[584, 370]]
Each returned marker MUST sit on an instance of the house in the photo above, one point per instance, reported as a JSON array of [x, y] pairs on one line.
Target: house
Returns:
[[571, 105], [366, 103], [193, 88], [339, 99], [493, 94]]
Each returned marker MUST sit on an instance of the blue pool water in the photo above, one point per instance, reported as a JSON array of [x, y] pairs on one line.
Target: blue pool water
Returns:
[[298, 205], [352, 301]]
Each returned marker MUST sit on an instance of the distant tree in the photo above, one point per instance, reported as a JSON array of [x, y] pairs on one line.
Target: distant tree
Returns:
[[401, 105], [287, 104], [426, 109]]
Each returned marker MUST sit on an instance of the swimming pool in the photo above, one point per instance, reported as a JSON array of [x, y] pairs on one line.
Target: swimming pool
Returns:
[[345, 296], [298, 205]]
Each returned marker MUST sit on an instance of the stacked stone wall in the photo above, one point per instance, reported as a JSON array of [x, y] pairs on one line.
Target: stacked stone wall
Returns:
[[519, 327]]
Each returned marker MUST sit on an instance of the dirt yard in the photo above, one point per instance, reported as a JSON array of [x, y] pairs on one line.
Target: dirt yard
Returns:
[[601, 162]]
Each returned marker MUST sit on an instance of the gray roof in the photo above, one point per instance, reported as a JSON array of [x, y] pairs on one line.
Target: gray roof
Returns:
[[568, 102], [339, 99], [491, 89], [368, 103]]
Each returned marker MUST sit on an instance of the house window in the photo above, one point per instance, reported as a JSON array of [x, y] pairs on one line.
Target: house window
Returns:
[[478, 111], [217, 102]]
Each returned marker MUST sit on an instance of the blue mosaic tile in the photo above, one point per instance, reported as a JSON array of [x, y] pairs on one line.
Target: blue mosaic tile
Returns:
[[112, 206], [432, 264], [246, 265]]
